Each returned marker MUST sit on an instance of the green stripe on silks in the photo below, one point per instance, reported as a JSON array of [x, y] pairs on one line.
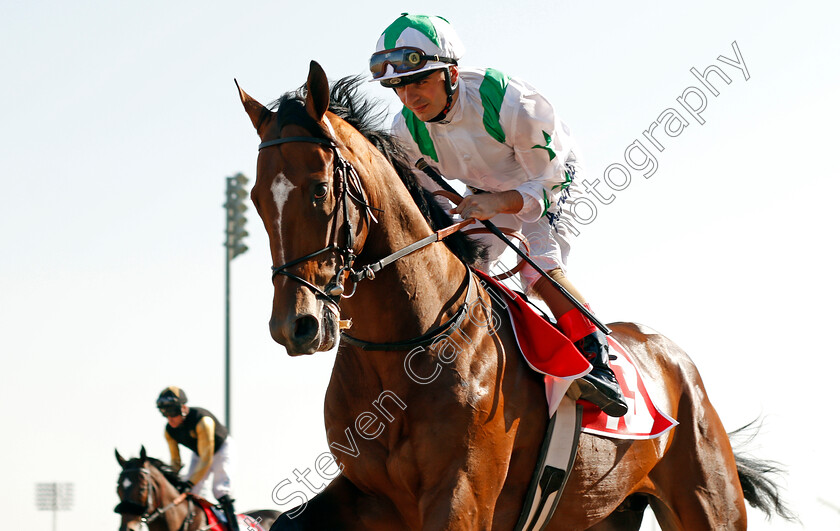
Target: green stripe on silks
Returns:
[[492, 91], [421, 23], [547, 146], [420, 134], [568, 182]]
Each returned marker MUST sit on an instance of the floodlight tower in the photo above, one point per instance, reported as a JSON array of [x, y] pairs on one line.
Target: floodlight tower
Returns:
[[235, 232], [54, 497]]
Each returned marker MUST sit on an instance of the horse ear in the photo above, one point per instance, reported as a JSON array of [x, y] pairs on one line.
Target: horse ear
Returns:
[[256, 111], [120, 459], [143, 453], [317, 92]]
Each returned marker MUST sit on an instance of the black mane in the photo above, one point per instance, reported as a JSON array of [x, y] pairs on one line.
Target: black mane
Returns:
[[367, 116], [168, 472]]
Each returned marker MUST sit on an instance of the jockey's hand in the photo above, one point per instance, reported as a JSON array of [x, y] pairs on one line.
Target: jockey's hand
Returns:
[[485, 206], [184, 486]]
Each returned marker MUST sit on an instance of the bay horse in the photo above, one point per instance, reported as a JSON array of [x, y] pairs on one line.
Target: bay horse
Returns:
[[148, 495], [444, 440]]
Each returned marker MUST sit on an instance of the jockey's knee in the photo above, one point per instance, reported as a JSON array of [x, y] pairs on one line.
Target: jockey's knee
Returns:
[[557, 274], [556, 301], [543, 286]]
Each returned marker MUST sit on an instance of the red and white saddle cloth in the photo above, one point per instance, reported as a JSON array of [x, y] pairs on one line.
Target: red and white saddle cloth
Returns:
[[643, 420], [216, 520], [551, 353]]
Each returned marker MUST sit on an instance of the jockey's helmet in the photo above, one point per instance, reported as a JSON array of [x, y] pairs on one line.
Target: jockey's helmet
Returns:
[[412, 47], [170, 400]]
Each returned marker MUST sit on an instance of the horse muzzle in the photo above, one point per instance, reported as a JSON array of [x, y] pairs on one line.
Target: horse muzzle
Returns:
[[306, 332]]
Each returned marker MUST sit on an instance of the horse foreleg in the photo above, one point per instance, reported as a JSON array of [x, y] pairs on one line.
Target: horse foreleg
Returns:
[[627, 517], [455, 505], [623, 521], [341, 506]]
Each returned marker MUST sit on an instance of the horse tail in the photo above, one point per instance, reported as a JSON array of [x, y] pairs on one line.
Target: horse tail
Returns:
[[758, 476]]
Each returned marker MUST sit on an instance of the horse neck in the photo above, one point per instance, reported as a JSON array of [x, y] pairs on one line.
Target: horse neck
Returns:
[[410, 295], [172, 519]]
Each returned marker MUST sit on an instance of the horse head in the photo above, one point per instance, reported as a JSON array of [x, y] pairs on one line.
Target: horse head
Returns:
[[133, 489], [144, 489], [313, 209]]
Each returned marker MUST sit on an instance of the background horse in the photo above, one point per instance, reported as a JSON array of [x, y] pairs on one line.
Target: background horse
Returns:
[[448, 438], [147, 494]]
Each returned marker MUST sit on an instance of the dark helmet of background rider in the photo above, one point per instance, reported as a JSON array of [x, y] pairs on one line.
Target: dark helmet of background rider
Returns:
[[170, 400]]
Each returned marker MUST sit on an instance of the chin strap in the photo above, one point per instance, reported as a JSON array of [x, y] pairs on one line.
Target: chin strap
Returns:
[[450, 91]]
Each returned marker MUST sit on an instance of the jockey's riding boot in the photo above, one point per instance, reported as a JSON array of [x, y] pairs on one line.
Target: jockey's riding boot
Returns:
[[600, 386], [227, 506]]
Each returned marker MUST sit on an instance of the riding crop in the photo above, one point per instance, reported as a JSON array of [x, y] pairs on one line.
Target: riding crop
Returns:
[[439, 180]]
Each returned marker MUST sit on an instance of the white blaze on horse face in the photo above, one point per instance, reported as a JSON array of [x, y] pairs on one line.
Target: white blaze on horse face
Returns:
[[126, 483], [280, 189]]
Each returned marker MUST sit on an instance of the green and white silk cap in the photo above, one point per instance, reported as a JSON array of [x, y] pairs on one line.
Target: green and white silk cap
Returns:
[[433, 35]]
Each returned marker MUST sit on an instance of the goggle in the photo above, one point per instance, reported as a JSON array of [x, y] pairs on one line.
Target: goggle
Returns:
[[403, 60], [170, 410]]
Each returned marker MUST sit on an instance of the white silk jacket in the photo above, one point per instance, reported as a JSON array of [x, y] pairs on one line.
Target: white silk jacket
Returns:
[[500, 135]]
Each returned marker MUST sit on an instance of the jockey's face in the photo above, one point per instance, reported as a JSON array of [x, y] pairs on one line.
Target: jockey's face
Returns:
[[427, 98], [178, 419]]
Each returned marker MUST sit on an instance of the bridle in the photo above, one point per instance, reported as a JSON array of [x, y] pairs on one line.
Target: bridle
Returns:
[[152, 511], [350, 188]]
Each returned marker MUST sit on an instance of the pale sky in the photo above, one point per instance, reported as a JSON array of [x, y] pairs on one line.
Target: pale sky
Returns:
[[120, 122]]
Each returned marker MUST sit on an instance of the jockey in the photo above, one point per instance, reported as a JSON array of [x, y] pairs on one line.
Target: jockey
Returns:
[[500, 137], [201, 432]]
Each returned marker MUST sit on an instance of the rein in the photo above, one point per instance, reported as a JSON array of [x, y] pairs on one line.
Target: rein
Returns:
[[422, 340], [345, 174], [160, 511]]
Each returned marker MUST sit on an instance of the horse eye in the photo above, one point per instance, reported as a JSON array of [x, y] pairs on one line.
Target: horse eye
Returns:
[[321, 190]]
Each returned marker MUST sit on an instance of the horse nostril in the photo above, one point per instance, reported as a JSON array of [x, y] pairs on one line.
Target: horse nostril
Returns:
[[306, 328]]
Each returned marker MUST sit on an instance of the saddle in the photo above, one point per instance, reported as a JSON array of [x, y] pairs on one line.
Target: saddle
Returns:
[[216, 520], [550, 353]]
